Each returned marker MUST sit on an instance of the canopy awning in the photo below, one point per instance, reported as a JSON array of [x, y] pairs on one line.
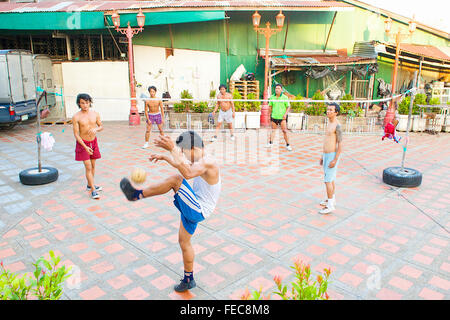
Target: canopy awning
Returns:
[[432, 57], [51, 20], [170, 17], [84, 20]]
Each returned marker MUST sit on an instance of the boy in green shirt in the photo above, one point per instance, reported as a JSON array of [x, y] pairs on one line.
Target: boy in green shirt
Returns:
[[279, 108]]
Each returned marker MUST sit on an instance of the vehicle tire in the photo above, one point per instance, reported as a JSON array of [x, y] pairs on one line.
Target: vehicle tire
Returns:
[[33, 177], [8, 126], [408, 178]]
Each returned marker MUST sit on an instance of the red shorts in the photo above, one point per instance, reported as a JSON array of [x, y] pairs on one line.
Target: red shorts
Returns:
[[82, 155]]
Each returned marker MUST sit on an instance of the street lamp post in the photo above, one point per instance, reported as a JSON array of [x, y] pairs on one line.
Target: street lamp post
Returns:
[[399, 36], [267, 32], [134, 118]]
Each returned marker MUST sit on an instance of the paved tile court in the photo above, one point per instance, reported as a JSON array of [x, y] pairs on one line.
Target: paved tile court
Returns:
[[381, 242]]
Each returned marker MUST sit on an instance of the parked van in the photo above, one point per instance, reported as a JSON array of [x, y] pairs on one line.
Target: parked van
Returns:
[[18, 84], [43, 75]]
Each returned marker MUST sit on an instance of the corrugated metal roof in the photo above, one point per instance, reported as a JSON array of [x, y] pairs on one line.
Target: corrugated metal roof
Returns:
[[317, 60], [419, 50], [425, 51], [365, 49], [68, 6]]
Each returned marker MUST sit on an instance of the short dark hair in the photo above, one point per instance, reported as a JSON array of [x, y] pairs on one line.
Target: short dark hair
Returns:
[[223, 86], [83, 96], [337, 108], [279, 85], [151, 87], [189, 139]]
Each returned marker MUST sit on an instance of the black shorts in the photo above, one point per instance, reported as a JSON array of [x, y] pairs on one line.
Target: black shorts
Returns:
[[277, 121]]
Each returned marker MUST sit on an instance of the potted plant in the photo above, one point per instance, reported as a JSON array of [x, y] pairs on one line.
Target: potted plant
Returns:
[[351, 113], [403, 112], [304, 287], [239, 107], [253, 113], [439, 117], [295, 117], [180, 109], [418, 122], [316, 112], [199, 114]]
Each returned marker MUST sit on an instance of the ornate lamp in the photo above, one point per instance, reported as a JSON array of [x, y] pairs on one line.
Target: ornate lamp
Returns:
[[116, 19], [140, 19], [256, 18], [280, 20]]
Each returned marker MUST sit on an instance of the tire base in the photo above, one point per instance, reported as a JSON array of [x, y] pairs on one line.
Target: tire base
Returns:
[[408, 178], [32, 177]]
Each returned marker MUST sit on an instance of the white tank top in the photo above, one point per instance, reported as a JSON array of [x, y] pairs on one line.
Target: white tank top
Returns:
[[207, 194]]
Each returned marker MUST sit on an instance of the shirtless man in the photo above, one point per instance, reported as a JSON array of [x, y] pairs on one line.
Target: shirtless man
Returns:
[[86, 124], [226, 111], [154, 114], [332, 149], [195, 203]]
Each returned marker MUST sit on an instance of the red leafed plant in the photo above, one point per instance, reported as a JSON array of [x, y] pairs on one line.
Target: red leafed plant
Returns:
[[303, 288]]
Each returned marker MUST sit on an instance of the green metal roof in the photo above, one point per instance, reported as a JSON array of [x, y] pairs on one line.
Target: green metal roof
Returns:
[[170, 17], [51, 20], [95, 19]]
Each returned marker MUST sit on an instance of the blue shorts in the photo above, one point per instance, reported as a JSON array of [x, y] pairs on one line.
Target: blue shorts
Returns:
[[187, 203], [330, 173]]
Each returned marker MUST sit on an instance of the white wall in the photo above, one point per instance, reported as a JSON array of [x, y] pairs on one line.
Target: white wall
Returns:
[[196, 71], [100, 79]]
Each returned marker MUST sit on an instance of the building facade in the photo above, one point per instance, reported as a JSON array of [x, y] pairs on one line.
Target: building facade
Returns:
[[198, 45]]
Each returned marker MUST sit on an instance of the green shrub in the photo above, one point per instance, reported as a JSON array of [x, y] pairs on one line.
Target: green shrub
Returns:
[[179, 108], [239, 106], [200, 107], [298, 107], [187, 104], [420, 98], [252, 106], [435, 101], [303, 288], [46, 284], [317, 108], [352, 109], [403, 107]]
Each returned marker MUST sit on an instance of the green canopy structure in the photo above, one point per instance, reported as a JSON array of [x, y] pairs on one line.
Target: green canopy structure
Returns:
[[95, 19]]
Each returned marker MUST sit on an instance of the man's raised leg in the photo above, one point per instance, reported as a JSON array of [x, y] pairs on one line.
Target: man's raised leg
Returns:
[[171, 183]]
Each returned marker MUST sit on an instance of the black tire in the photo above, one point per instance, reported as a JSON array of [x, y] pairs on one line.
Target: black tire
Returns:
[[408, 178], [8, 126], [33, 177]]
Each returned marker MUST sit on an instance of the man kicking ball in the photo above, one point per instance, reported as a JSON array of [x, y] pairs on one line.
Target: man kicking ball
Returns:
[[195, 203]]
